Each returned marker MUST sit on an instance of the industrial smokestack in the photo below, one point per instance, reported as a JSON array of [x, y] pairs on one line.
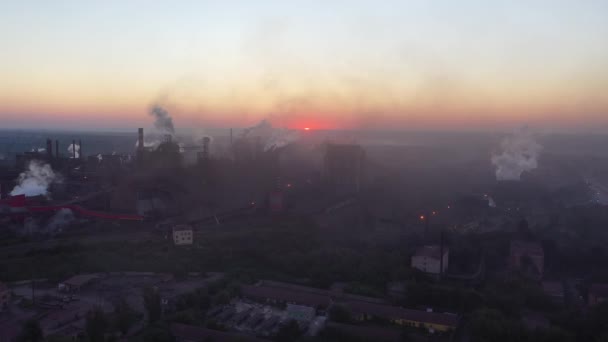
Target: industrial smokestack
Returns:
[[49, 148], [140, 139], [57, 148], [79, 148], [74, 148], [206, 141]]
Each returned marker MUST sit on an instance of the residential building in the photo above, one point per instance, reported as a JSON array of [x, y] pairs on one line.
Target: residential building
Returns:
[[182, 235], [598, 293], [429, 259]]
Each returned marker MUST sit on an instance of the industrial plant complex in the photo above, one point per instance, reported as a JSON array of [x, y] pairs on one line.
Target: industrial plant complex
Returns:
[[276, 234]]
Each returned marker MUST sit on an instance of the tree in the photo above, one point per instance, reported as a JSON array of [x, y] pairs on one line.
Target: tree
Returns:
[[289, 332], [123, 316], [152, 304], [30, 332], [96, 325]]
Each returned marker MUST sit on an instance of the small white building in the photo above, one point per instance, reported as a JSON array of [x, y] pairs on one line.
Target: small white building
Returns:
[[183, 235], [428, 259], [300, 312]]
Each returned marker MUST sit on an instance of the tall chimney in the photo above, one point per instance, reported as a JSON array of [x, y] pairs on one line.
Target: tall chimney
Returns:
[[140, 139], [49, 148], [80, 148], [73, 148], [140, 145], [57, 148], [206, 141]]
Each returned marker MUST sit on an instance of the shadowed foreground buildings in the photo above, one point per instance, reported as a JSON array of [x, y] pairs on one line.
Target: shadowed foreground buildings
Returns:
[[362, 308]]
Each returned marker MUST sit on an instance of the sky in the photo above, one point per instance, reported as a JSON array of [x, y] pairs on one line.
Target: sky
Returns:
[[430, 65]]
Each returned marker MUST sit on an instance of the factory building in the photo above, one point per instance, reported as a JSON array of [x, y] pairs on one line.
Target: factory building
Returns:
[[343, 167], [429, 259], [182, 235], [432, 321]]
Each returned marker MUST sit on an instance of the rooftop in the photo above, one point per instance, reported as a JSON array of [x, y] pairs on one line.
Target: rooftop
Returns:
[[286, 295], [182, 227], [396, 312]]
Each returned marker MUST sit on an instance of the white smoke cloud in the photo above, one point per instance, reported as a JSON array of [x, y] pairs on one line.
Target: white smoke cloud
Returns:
[[99, 158], [149, 143], [61, 219], [71, 150], [35, 180], [519, 154], [271, 137], [162, 120], [281, 137]]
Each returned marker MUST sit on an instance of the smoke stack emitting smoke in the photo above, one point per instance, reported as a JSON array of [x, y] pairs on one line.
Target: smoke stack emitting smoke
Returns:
[[71, 151], [163, 121], [35, 180], [520, 153]]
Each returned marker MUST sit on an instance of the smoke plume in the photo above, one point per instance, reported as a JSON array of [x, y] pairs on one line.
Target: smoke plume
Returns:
[[35, 180], [519, 154], [71, 150], [61, 219], [149, 143], [162, 120], [272, 138]]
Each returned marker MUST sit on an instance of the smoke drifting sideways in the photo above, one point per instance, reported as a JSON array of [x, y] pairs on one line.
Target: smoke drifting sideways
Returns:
[[520, 153], [162, 120], [272, 138], [71, 151], [61, 219], [36, 180]]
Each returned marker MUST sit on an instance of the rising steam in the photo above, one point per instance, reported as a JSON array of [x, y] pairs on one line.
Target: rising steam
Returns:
[[35, 180], [61, 219], [519, 154], [71, 151], [272, 138], [162, 120]]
